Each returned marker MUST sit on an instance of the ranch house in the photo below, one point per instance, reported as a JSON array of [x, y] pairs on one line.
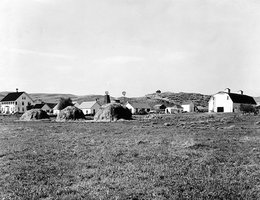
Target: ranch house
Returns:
[[136, 107], [15, 102], [89, 107], [229, 102]]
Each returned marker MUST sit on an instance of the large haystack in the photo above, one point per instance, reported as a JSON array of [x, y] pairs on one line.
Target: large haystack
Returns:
[[113, 112], [70, 113], [34, 114]]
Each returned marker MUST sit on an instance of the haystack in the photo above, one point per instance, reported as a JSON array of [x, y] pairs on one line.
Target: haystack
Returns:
[[34, 114], [113, 112], [70, 113]]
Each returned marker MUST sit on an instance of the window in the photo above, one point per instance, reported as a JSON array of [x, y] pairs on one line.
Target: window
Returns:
[[22, 103], [16, 103]]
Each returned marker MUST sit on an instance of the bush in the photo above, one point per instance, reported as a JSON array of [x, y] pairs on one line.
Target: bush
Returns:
[[142, 112], [64, 102], [248, 109]]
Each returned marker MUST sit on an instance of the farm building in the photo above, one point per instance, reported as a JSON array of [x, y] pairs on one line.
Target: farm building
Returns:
[[201, 109], [188, 106], [225, 101], [76, 104], [174, 109], [159, 107], [15, 102], [137, 107], [55, 109], [48, 107], [89, 107]]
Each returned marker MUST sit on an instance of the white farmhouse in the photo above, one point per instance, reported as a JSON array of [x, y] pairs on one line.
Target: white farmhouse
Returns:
[[15, 102], [229, 102], [136, 107], [89, 107], [188, 106]]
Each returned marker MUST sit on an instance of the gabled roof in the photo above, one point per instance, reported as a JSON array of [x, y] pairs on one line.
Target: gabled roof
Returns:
[[38, 105], [140, 105], [12, 96], [56, 107], [87, 104], [51, 105], [240, 98], [187, 102]]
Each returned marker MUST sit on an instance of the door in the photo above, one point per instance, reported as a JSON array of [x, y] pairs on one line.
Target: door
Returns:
[[220, 109]]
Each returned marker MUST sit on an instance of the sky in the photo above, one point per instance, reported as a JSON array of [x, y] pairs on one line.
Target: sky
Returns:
[[139, 46]]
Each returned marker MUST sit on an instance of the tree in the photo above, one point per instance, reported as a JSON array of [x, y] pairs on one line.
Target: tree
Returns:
[[158, 92], [64, 102], [248, 109]]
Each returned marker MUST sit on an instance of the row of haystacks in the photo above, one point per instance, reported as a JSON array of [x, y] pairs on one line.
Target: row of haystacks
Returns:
[[108, 112]]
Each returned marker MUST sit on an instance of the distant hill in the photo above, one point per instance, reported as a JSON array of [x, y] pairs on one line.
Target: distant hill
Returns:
[[166, 98], [257, 99]]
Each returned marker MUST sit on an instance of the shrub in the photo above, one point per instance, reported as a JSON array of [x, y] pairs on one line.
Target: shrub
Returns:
[[64, 102], [142, 112], [248, 109]]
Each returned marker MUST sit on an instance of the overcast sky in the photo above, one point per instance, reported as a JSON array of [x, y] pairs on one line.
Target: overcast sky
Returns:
[[90, 46]]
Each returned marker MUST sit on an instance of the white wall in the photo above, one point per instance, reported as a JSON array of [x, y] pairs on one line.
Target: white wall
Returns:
[[16, 106], [220, 100], [188, 108], [131, 108]]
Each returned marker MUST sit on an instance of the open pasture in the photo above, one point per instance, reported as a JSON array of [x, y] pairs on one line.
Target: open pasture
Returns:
[[188, 156]]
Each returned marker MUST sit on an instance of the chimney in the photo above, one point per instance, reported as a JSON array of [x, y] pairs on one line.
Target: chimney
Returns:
[[241, 92], [16, 89], [227, 90]]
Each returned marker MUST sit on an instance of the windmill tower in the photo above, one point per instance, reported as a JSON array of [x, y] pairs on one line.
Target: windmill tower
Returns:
[[124, 93], [107, 98]]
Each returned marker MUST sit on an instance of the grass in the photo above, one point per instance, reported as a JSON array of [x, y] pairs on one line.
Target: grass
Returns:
[[198, 157]]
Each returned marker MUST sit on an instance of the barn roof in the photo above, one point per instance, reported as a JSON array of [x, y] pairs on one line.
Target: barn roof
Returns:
[[188, 102], [240, 98], [140, 105], [12, 96], [38, 105], [87, 104], [51, 105]]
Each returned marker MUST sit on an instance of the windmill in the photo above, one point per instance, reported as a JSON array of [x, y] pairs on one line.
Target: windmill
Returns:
[[124, 93], [107, 98]]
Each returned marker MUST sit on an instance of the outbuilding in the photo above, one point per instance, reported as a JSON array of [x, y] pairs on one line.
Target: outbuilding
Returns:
[[89, 107], [137, 107], [225, 101], [174, 109], [188, 106]]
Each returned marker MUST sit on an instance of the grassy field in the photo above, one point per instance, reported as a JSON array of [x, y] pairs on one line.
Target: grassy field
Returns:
[[189, 156]]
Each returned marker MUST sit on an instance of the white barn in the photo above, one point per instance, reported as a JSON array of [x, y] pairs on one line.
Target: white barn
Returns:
[[229, 102], [89, 107], [15, 102]]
